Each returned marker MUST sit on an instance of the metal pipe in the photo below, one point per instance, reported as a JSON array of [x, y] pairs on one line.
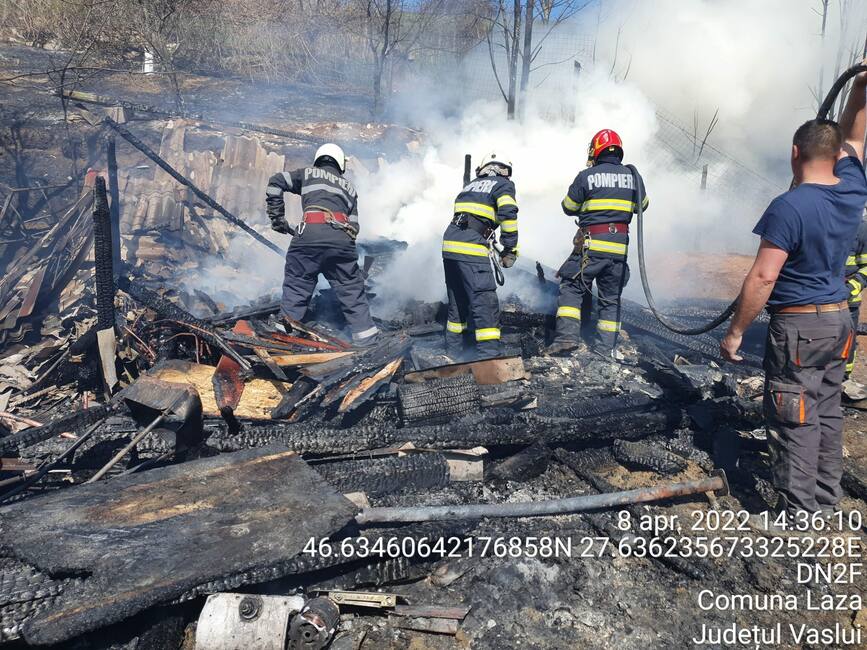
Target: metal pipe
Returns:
[[48, 466], [716, 483], [137, 439]]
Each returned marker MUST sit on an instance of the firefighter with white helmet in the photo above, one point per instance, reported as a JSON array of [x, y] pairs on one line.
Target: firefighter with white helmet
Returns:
[[324, 242], [483, 205]]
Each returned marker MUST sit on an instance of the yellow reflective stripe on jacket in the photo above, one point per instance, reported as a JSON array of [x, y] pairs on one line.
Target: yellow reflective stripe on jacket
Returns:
[[464, 248], [456, 328], [860, 259], [478, 209], [569, 204], [619, 205], [569, 312], [850, 261], [645, 203], [602, 246], [855, 299], [488, 334], [509, 225], [608, 326], [506, 200]]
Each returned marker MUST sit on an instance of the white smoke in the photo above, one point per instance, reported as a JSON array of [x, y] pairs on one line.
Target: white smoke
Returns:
[[757, 64]]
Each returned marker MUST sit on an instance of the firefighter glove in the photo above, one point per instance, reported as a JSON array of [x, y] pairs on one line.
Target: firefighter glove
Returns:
[[856, 288], [508, 259], [282, 226]]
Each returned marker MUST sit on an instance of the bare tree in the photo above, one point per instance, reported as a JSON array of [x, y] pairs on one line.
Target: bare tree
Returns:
[[162, 28], [512, 37], [393, 28]]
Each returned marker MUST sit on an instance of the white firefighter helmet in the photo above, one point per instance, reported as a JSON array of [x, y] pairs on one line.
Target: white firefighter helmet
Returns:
[[332, 151], [499, 161]]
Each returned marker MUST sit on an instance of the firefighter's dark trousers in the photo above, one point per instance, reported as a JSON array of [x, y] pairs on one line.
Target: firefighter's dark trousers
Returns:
[[474, 312], [340, 268], [854, 312], [611, 273], [805, 357]]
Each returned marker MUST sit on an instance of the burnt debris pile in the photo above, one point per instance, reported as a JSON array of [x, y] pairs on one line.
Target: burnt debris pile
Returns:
[[168, 474]]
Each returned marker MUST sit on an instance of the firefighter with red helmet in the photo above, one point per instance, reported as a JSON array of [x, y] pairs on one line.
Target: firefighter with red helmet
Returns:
[[603, 197]]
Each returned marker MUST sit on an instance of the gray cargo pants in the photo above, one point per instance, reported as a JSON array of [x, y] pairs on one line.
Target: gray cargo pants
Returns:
[[340, 268], [805, 360]]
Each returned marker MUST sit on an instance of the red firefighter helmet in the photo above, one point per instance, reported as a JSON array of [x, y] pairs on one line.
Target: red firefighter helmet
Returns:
[[604, 141]]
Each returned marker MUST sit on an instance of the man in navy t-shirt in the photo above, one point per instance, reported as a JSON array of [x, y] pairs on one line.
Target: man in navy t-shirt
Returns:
[[799, 273]]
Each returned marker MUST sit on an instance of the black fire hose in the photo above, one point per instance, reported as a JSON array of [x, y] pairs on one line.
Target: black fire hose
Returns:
[[824, 108]]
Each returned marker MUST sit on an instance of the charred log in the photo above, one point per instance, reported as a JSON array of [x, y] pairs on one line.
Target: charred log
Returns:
[[438, 400], [387, 475], [77, 421], [648, 457]]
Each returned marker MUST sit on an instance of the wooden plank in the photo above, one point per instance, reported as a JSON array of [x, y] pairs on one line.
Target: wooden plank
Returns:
[[260, 396], [419, 624], [369, 385], [307, 359], [147, 538], [432, 611], [486, 372]]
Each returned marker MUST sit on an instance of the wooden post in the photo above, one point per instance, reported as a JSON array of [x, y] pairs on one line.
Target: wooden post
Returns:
[[114, 205]]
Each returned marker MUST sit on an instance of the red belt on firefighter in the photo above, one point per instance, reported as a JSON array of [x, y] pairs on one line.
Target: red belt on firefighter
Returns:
[[606, 228], [314, 216]]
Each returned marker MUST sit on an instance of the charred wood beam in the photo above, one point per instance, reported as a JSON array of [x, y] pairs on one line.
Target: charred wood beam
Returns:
[[645, 456], [342, 557], [49, 465], [301, 437], [73, 422], [522, 429], [186, 182], [114, 192], [331, 373], [378, 476], [636, 317], [437, 401], [103, 257]]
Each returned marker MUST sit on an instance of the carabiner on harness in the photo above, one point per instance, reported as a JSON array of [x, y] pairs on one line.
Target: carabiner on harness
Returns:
[[493, 255]]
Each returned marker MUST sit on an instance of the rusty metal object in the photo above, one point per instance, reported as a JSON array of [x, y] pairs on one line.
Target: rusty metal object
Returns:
[[244, 327], [717, 483], [375, 599], [228, 381], [313, 628]]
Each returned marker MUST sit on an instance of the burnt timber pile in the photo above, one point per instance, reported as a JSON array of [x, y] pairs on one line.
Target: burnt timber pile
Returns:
[[168, 464]]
